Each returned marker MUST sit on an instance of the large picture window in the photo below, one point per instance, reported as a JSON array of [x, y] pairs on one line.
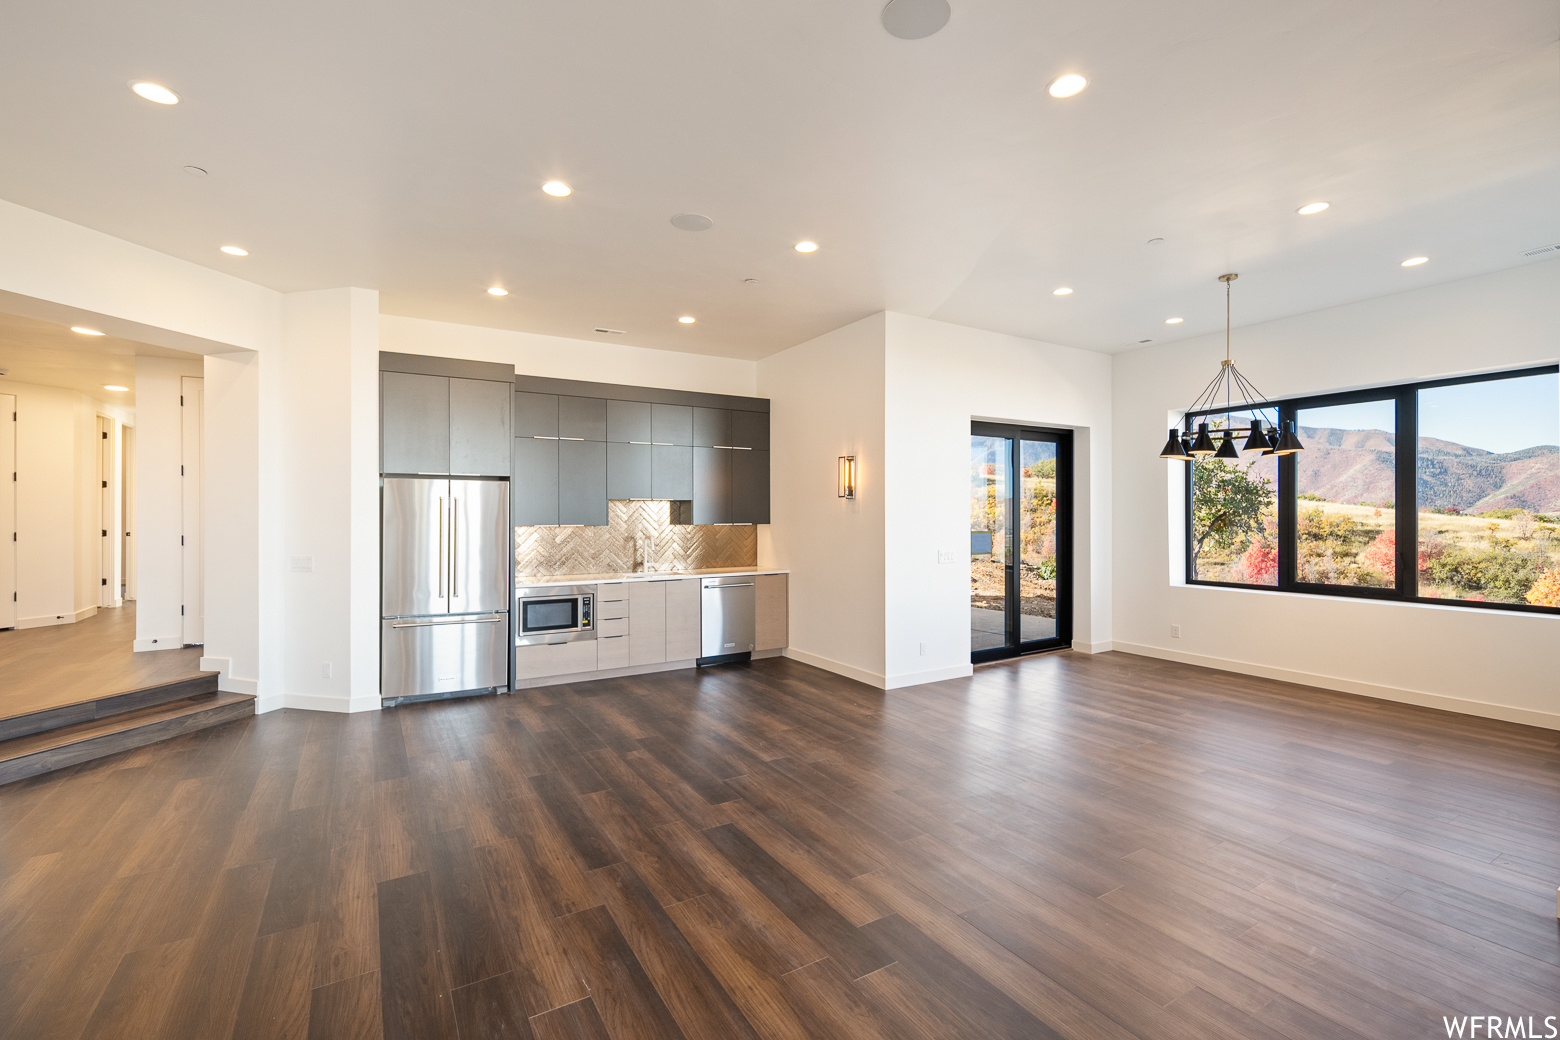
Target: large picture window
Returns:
[[1444, 491]]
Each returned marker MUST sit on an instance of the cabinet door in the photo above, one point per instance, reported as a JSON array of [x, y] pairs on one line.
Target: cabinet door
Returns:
[[712, 485], [414, 417], [647, 622], [630, 421], [582, 418], [629, 471], [534, 490], [479, 427], [749, 487], [582, 483], [536, 415], [772, 628], [711, 428], [682, 619], [671, 472], [671, 424], [750, 430]]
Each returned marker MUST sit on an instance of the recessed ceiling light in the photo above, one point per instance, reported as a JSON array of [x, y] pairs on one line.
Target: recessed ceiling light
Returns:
[[806, 247], [83, 330], [692, 222], [558, 189], [1415, 261], [116, 389], [498, 291], [1063, 291], [155, 92], [235, 250], [687, 319], [915, 19], [1311, 207], [1174, 321], [1068, 85]]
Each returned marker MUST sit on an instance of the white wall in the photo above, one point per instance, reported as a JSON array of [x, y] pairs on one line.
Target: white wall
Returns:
[[159, 520], [1491, 663], [826, 400], [560, 358], [939, 378]]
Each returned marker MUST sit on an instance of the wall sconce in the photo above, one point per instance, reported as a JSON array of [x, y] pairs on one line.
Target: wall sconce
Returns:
[[847, 476]]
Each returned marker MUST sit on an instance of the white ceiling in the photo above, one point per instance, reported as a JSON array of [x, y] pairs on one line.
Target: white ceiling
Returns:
[[46, 354], [399, 146]]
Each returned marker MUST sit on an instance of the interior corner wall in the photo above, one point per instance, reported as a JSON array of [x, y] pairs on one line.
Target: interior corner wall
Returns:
[[320, 489], [232, 520], [940, 377], [558, 357], [826, 400], [1483, 662], [159, 520]]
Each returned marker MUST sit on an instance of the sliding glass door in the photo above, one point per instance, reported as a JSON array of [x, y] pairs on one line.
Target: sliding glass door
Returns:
[[1020, 540]]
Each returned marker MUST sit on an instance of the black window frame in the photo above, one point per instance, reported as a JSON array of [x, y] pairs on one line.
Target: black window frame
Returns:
[[1405, 397]]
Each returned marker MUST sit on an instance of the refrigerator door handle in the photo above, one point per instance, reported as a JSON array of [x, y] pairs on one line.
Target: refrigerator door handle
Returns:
[[449, 621], [442, 554], [454, 546]]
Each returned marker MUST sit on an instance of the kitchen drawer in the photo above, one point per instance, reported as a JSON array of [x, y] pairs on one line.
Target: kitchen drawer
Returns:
[[612, 651], [613, 605], [612, 627], [536, 662]]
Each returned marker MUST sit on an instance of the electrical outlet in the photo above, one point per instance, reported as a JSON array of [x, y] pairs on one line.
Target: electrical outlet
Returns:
[[947, 556], [1175, 631], [302, 565], [325, 670], [922, 647]]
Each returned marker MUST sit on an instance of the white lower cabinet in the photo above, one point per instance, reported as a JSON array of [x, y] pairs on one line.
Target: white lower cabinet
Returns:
[[682, 619], [647, 615], [612, 650], [539, 662]]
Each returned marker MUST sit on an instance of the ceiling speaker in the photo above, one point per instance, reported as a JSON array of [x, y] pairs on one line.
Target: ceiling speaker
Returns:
[[692, 222], [915, 19]]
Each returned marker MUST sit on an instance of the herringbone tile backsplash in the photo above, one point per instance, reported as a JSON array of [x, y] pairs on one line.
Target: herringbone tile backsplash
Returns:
[[618, 547]]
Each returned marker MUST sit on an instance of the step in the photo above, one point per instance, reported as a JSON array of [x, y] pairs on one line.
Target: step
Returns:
[[54, 749], [106, 706]]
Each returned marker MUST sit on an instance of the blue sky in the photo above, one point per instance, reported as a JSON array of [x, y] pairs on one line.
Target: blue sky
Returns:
[[1500, 415]]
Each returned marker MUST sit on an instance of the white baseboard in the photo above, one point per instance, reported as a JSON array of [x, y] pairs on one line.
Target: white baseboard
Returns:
[[1094, 648], [84, 613], [173, 642], [315, 702], [271, 702], [45, 620], [901, 681], [605, 673], [849, 671], [1463, 706]]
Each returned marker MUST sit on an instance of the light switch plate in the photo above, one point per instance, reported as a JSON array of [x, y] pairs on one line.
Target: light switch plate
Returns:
[[947, 556], [303, 564]]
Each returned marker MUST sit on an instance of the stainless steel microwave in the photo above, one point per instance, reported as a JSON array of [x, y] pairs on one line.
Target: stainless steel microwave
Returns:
[[555, 614]]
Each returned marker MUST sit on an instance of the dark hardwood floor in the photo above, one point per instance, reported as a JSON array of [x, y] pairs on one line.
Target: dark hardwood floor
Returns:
[[42, 668], [1071, 846]]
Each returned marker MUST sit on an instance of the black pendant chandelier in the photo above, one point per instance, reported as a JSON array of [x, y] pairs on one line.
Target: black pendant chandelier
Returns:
[[1238, 395]]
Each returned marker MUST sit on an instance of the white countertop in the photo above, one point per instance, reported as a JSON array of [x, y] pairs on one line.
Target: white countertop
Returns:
[[608, 579]]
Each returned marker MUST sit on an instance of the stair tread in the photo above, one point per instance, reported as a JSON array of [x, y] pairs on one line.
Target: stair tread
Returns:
[[18, 747]]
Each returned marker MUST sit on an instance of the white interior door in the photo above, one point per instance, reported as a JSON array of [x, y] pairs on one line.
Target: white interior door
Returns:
[[7, 511], [108, 581], [127, 507], [193, 465]]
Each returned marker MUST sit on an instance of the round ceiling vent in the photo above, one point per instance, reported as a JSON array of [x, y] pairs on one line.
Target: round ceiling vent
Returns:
[[692, 222], [915, 19]]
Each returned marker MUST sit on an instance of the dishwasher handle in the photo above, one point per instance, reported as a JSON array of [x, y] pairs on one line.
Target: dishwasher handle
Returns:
[[733, 585]]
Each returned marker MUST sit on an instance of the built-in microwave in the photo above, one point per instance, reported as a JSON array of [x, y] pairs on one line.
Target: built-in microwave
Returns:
[[555, 614]]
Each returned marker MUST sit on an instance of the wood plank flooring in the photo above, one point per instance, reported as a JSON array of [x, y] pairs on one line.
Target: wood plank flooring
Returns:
[[1065, 847], [49, 667]]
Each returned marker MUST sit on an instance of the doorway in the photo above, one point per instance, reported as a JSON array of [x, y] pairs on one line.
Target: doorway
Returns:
[[1020, 540], [192, 411]]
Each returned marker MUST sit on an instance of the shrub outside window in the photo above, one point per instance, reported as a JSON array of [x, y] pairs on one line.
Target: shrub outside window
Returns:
[[1443, 491]]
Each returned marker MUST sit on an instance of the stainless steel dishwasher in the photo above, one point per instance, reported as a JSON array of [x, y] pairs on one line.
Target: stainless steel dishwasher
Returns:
[[729, 607]]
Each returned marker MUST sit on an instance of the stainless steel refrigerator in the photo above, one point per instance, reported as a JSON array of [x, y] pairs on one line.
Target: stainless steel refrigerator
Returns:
[[445, 586]]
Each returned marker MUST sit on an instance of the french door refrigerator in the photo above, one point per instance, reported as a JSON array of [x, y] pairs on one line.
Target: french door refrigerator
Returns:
[[445, 587]]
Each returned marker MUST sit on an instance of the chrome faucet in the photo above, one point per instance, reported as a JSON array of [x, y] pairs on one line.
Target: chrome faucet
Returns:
[[647, 553]]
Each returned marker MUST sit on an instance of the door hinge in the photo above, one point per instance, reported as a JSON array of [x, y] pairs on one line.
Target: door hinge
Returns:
[[105, 534], [105, 435], [181, 471], [181, 539], [105, 483], [105, 581], [181, 609]]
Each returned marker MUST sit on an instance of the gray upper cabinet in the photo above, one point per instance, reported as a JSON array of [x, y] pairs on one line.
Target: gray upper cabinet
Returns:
[[534, 491], [711, 428], [479, 436], [630, 470], [749, 430], [712, 485], [536, 415], [414, 423], [630, 422], [749, 487], [671, 472], [582, 482], [671, 424], [582, 418]]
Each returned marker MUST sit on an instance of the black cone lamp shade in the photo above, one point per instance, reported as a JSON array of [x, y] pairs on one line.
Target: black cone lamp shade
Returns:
[[1227, 448], [1288, 443], [1203, 445], [1258, 440], [1173, 448]]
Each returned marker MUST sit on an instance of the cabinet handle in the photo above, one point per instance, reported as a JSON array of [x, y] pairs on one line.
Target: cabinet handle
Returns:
[[571, 438], [641, 442], [542, 437]]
